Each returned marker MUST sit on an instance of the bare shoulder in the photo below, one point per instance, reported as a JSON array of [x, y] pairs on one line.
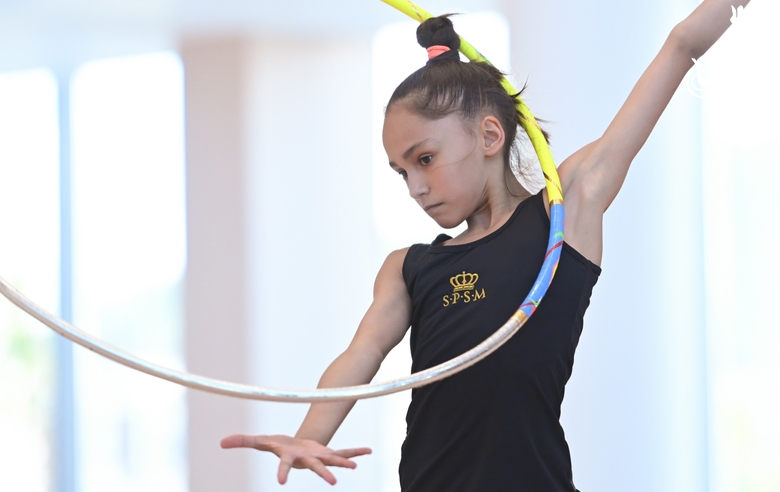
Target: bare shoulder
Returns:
[[392, 268], [389, 315], [396, 258]]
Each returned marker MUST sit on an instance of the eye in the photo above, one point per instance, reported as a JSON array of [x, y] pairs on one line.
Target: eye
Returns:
[[426, 159], [402, 173]]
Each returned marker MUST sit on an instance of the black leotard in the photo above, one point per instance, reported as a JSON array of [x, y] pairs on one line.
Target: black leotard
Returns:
[[495, 426]]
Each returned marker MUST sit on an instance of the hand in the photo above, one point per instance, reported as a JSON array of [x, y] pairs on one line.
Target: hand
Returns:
[[298, 453]]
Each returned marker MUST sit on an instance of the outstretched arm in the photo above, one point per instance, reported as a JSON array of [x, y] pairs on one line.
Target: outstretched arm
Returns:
[[632, 125], [383, 326], [593, 176]]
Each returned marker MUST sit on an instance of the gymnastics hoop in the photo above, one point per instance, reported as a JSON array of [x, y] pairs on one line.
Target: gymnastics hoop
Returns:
[[415, 380]]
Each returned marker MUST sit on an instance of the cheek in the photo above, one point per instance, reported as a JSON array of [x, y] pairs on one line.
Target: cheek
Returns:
[[458, 185], [464, 176]]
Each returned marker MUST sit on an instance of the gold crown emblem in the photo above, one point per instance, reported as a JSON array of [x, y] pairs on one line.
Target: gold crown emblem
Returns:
[[464, 281]]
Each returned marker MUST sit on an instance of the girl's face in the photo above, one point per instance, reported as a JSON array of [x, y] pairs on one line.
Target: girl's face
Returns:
[[440, 160]]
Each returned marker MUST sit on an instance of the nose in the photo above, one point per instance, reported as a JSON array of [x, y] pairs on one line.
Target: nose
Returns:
[[417, 185]]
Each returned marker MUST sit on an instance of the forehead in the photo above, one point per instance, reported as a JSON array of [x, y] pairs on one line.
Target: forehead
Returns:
[[402, 126]]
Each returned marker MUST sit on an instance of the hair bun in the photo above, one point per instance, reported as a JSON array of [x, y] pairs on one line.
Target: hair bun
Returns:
[[439, 31]]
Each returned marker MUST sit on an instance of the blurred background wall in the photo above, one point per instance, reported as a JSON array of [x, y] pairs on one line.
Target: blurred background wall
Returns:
[[203, 184]]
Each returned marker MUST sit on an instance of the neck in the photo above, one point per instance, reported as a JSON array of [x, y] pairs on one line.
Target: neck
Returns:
[[501, 198]]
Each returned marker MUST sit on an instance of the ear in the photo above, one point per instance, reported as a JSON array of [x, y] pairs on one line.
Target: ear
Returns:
[[492, 134]]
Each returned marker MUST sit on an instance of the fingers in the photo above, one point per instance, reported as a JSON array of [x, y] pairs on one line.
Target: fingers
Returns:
[[262, 443], [236, 441], [340, 457], [320, 469], [296, 453], [333, 460], [318, 465], [352, 452], [285, 464], [313, 464]]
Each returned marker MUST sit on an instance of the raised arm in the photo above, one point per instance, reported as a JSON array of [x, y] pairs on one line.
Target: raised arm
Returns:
[[381, 329], [593, 176]]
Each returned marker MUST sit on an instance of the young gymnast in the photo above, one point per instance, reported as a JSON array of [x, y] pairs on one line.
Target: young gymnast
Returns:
[[449, 131]]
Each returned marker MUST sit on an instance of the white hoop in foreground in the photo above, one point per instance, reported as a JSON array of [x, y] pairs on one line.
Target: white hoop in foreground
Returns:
[[256, 392], [452, 366]]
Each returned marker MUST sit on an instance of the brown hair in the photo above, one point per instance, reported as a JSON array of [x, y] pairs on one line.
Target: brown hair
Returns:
[[445, 85]]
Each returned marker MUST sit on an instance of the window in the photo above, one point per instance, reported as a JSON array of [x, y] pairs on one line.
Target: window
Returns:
[[741, 172], [29, 259], [129, 259]]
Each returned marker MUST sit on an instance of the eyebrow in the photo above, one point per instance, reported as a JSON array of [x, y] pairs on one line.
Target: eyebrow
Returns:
[[409, 151]]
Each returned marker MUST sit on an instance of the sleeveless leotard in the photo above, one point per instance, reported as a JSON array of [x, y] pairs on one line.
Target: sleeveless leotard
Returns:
[[495, 426]]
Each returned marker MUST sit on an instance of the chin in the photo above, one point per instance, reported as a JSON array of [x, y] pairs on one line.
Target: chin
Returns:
[[448, 224]]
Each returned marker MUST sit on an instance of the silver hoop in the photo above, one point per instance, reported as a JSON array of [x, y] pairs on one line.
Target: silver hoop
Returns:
[[256, 392], [441, 371]]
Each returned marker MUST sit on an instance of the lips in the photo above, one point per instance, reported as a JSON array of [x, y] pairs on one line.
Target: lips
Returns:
[[431, 207]]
